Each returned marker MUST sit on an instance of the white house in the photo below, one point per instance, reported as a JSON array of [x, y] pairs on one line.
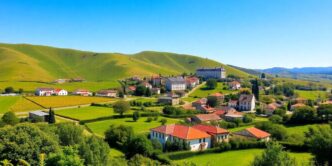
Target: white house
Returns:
[[217, 73], [217, 134], [246, 103], [44, 91], [192, 82], [82, 92], [196, 139], [235, 85], [107, 93], [175, 84], [60, 92]]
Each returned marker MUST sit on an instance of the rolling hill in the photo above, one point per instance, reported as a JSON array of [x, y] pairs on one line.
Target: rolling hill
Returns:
[[24, 62]]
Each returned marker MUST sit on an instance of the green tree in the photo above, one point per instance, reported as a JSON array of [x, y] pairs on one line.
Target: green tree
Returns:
[[148, 92], [10, 118], [303, 115], [213, 101], [121, 107], [140, 90], [139, 160], [68, 156], [211, 83], [275, 119], [274, 155], [320, 144], [277, 131], [324, 112], [255, 88], [25, 141], [139, 145], [51, 116], [69, 134], [94, 151], [163, 121], [9, 90], [263, 76], [118, 136], [135, 116]]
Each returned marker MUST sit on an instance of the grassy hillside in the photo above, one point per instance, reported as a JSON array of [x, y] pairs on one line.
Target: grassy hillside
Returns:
[[22, 62]]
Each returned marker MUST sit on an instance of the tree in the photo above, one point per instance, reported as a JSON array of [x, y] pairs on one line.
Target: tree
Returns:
[[289, 105], [211, 83], [9, 90], [148, 92], [277, 131], [163, 121], [51, 116], [275, 119], [213, 101], [140, 90], [139, 160], [69, 134], [263, 76], [25, 141], [139, 145], [94, 151], [10, 118], [118, 136], [303, 115], [320, 144], [68, 156], [121, 107], [20, 91], [255, 88], [274, 155], [135, 116], [324, 112]]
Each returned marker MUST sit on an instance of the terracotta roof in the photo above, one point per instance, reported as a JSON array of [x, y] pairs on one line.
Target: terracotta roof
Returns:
[[212, 130], [192, 79], [58, 90], [207, 117], [132, 88], [181, 131], [298, 105], [246, 98], [217, 94], [257, 132], [220, 112], [208, 109], [201, 101]]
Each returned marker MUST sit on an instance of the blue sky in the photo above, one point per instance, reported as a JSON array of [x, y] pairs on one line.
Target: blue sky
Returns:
[[247, 33]]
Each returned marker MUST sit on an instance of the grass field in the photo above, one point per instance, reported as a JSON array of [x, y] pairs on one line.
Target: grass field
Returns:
[[6, 102], [236, 158], [63, 101], [313, 95], [299, 129], [86, 113], [16, 104], [203, 92], [141, 126]]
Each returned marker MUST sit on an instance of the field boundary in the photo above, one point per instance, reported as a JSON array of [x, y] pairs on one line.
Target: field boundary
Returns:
[[34, 102]]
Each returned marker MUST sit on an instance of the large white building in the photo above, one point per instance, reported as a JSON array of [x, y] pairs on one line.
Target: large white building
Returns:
[[247, 103], [176, 84], [217, 73], [196, 139], [44, 91]]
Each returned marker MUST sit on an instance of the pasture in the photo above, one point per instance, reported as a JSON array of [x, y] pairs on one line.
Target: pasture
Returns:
[[6, 102], [312, 95], [16, 104], [204, 92], [139, 127], [87, 113], [63, 101], [237, 158]]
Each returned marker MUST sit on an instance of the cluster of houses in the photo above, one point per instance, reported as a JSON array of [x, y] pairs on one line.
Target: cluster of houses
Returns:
[[79, 92], [201, 136]]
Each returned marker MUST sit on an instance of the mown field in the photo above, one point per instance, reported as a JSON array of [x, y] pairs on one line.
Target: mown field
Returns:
[[313, 95], [31, 86], [87, 113], [16, 104], [63, 101], [237, 158], [141, 126]]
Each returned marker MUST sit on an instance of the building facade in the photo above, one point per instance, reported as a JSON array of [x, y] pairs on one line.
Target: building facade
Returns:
[[176, 84], [206, 73]]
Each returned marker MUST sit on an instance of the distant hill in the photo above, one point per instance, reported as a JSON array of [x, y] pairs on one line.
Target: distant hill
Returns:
[[249, 71], [24, 62]]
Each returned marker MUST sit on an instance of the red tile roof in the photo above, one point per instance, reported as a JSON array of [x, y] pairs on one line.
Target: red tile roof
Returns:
[[220, 112], [257, 132], [181, 131], [217, 94], [212, 130], [207, 117], [201, 101]]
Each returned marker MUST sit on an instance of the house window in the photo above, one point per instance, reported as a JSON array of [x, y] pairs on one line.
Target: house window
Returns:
[[203, 139], [200, 140]]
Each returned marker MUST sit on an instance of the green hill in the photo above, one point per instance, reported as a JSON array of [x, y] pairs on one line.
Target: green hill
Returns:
[[23, 62]]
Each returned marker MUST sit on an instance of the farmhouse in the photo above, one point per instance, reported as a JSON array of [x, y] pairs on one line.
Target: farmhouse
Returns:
[[169, 100], [38, 116], [217, 134], [199, 118], [60, 92], [175, 84], [247, 103], [206, 73], [44, 91], [298, 105], [107, 93], [270, 108], [147, 85], [235, 85], [197, 139], [199, 104], [82, 92], [192, 82], [156, 80], [254, 133], [220, 97], [233, 103]]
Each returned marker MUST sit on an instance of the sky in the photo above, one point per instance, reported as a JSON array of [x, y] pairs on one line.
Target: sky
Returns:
[[246, 33]]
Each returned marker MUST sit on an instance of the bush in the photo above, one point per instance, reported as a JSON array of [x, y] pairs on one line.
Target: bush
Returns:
[[276, 119]]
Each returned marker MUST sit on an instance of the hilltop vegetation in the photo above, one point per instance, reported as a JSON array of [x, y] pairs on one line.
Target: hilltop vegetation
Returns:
[[22, 62]]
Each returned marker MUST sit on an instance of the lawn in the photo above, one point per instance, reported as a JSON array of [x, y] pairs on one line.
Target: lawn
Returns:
[[299, 129], [63, 101], [86, 113], [31, 86], [141, 126], [236, 158], [204, 92], [6, 102], [313, 95], [16, 104]]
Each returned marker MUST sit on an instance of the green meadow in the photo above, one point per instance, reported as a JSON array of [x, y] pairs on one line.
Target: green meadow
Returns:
[[204, 92], [313, 95], [6, 102], [140, 126], [237, 158]]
